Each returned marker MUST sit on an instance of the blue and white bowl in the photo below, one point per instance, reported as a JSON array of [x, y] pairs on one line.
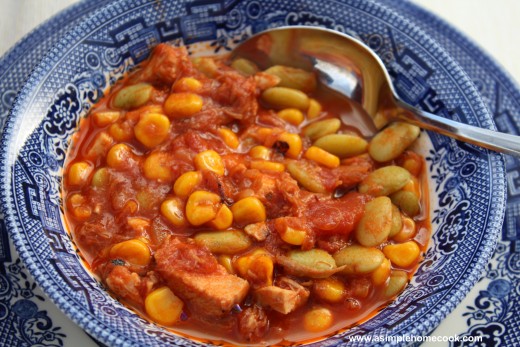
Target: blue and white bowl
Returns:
[[467, 184]]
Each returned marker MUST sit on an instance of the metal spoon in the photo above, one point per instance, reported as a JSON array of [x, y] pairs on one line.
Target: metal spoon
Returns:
[[348, 66]]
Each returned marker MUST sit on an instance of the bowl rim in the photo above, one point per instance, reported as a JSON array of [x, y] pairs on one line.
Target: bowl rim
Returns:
[[7, 156]]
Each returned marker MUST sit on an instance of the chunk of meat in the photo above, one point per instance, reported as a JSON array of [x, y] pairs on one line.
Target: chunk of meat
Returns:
[[353, 170], [258, 231], [237, 94], [277, 191], [96, 234], [165, 65], [288, 296], [194, 274], [125, 284], [253, 323]]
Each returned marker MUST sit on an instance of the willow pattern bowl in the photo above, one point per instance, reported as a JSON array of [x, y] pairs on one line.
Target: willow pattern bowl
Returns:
[[466, 183]]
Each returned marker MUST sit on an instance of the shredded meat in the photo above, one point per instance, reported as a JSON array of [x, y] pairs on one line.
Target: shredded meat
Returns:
[[253, 323], [288, 296], [125, 284]]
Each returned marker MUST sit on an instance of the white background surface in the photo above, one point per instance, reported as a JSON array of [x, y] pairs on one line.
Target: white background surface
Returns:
[[493, 24]]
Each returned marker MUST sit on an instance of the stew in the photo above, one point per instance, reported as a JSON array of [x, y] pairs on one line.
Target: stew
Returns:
[[232, 204]]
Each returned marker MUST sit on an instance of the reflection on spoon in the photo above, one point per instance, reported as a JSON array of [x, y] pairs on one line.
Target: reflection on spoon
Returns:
[[346, 65]]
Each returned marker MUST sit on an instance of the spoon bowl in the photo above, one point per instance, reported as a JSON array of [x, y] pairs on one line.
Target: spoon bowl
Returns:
[[349, 67]]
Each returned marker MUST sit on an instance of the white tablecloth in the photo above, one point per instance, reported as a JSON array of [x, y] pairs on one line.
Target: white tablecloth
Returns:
[[493, 24]]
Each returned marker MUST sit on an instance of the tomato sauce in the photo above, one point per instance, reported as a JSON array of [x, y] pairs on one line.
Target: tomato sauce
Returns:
[[198, 203]]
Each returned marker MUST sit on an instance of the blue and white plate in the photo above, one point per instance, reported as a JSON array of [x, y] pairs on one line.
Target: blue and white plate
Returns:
[[492, 308], [27, 316], [469, 182]]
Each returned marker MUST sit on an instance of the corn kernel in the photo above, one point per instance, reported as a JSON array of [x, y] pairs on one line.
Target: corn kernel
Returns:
[[79, 207], [82, 212], [329, 289], [202, 207], [291, 115], [133, 251], [121, 131], [407, 231], [152, 129], [227, 262], [248, 210], [412, 162], [402, 254], [157, 167], [317, 319], [118, 157], [267, 165], [322, 157], [295, 144], [293, 236], [257, 267], [187, 84], [223, 219], [133, 116], [79, 173], [260, 152], [263, 133], [314, 109], [229, 137], [181, 105], [209, 160], [186, 183], [130, 207], [163, 306], [105, 118], [173, 210], [382, 273]]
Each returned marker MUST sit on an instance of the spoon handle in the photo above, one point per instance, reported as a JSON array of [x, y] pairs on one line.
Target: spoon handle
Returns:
[[494, 140]]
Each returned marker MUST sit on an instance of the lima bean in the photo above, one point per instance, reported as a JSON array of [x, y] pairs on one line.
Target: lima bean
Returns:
[[132, 96], [397, 221], [100, 177], [317, 258], [294, 78], [314, 263], [306, 178], [385, 181], [321, 128], [376, 222], [396, 283], [342, 145], [245, 66], [358, 259], [407, 201], [393, 140], [283, 97], [223, 242]]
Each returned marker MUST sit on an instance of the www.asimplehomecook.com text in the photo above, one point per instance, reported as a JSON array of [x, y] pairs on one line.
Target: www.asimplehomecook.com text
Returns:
[[415, 338]]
